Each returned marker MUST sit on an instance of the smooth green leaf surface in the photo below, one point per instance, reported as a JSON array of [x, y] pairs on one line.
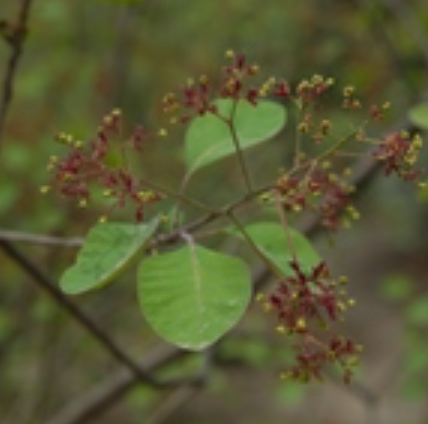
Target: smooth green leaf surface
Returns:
[[272, 241], [419, 115], [108, 249], [209, 139], [193, 296]]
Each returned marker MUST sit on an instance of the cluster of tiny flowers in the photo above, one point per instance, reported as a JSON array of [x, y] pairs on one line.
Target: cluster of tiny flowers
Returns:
[[86, 167], [199, 95], [398, 152], [350, 100], [312, 356], [321, 191], [307, 302], [320, 130], [310, 90]]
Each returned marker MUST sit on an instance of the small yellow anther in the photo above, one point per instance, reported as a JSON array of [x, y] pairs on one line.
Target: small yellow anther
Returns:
[[343, 279], [281, 329], [83, 203], [348, 91], [103, 219], [301, 326], [203, 79]]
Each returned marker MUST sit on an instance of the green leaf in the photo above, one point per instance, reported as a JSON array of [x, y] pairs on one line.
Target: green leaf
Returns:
[[272, 240], [209, 138], [108, 249], [193, 296], [418, 115]]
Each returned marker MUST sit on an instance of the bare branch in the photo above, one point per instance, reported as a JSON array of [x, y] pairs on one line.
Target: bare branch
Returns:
[[98, 400], [140, 374], [15, 37], [40, 239]]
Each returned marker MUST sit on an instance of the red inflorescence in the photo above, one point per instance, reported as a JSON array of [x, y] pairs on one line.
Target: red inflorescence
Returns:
[[305, 302], [86, 167], [320, 191], [198, 96], [399, 153], [306, 296]]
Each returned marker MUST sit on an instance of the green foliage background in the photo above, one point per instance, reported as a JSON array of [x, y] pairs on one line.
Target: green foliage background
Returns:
[[81, 59]]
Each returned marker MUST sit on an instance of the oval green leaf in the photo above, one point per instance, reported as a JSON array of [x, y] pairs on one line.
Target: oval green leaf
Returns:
[[191, 297], [209, 138], [418, 115], [272, 240], [108, 249]]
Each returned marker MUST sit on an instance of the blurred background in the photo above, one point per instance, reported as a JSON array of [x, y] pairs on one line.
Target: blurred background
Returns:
[[83, 58]]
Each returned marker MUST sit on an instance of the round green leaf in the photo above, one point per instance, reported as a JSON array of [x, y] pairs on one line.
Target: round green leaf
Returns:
[[193, 296], [272, 240], [419, 115], [108, 249], [209, 138]]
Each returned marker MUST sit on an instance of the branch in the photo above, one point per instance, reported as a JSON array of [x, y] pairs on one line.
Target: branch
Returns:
[[40, 239], [98, 400], [15, 36], [140, 374]]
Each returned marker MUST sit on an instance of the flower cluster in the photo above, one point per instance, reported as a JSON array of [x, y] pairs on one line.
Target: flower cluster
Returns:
[[312, 356], [310, 90], [88, 166], [398, 152], [304, 302], [319, 190], [198, 96]]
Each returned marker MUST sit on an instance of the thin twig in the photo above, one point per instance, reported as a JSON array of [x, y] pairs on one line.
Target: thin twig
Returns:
[[270, 265], [16, 41], [230, 122], [40, 239]]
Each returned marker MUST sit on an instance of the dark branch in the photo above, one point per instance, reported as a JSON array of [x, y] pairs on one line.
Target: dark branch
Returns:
[[109, 345], [102, 397], [14, 35]]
